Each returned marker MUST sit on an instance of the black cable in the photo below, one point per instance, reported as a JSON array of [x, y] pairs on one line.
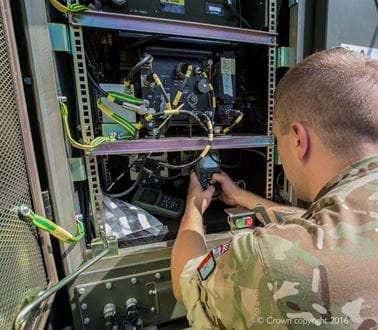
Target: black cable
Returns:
[[190, 114], [121, 176], [129, 190], [225, 165], [193, 162], [229, 5], [240, 11], [147, 58], [96, 85], [164, 92], [169, 178], [257, 152], [122, 194]]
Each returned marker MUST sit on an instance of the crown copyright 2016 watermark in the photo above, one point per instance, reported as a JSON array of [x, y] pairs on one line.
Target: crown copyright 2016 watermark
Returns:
[[333, 320]]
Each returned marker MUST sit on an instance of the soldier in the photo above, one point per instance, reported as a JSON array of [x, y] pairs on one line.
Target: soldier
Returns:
[[314, 268]]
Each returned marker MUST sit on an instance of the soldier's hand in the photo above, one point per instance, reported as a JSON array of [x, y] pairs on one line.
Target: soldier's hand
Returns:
[[230, 193], [197, 197]]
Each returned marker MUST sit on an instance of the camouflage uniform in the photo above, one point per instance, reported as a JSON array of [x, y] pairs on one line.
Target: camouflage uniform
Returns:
[[316, 270]]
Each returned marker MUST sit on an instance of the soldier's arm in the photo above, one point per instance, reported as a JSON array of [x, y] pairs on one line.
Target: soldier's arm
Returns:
[[190, 242], [227, 288]]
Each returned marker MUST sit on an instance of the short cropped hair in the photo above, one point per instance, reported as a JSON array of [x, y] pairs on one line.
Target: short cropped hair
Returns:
[[335, 92]]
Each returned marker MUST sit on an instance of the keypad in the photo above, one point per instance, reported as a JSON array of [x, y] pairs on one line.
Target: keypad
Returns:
[[169, 203]]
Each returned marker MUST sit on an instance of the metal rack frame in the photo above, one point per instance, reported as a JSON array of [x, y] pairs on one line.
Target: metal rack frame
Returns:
[[271, 91], [86, 123], [174, 28], [171, 27]]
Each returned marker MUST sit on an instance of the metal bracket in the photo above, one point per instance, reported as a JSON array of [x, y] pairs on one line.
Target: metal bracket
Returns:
[[78, 172], [59, 37], [98, 246], [285, 57]]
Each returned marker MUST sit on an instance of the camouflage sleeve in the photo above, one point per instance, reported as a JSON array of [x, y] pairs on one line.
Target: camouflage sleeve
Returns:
[[277, 214], [226, 289]]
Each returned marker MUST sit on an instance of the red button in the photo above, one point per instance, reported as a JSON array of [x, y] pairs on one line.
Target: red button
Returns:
[[248, 221]]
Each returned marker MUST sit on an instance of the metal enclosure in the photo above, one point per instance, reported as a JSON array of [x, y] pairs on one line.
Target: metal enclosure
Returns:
[[24, 271], [140, 272], [357, 25]]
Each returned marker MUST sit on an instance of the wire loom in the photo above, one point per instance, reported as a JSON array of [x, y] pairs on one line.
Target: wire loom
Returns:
[[86, 147], [73, 8]]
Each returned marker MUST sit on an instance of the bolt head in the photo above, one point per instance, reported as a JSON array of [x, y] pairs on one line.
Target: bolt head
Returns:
[[158, 276], [108, 286], [84, 306], [134, 280], [81, 291], [87, 320], [153, 309]]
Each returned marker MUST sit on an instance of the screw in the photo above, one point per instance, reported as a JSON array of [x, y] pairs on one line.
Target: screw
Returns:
[[87, 320], [79, 217], [81, 291], [84, 306], [108, 286], [153, 309], [134, 280], [158, 276], [152, 292]]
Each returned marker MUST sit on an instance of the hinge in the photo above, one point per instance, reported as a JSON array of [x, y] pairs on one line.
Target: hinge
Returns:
[[78, 172], [285, 57], [59, 37], [292, 3], [98, 246]]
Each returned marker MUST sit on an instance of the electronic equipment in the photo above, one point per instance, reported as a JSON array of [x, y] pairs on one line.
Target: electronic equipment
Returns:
[[206, 168], [194, 87], [170, 65], [157, 203], [240, 218], [225, 84], [205, 11]]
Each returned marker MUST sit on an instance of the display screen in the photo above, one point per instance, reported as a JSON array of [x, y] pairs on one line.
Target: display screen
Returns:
[[173, 6], [149, 196], [209, 162], [214, 9]]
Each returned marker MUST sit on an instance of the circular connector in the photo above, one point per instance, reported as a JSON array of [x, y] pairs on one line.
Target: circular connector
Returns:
[[119, 3], [203, 86], [109, 310], [192, 99], [181, 70]]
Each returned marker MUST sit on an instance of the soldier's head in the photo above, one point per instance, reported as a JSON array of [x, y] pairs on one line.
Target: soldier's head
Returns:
[[326, 110]]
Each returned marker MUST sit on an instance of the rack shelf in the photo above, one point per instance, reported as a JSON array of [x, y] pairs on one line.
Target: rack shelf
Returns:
[[170, 27], [181, 144]]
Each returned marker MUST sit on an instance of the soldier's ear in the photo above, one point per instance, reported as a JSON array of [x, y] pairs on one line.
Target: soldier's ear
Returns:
[[300, 139]]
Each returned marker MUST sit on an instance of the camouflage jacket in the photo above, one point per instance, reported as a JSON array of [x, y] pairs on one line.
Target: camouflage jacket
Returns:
[[316, 270]]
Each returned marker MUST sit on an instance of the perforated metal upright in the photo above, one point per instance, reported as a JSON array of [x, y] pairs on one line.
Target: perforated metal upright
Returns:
[[271, 89], [86, 125]]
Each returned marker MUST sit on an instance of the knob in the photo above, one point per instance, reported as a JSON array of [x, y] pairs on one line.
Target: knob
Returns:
[[203, 86]]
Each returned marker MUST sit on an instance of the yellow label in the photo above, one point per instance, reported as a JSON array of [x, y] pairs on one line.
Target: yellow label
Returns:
[[174, 2]]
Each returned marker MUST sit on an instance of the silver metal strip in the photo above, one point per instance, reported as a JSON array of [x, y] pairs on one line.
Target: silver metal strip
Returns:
[[271, 90], [31, 165], [50, 126], [23, 314], [182, 144], [106, 171], [171, 27], [86, 123]]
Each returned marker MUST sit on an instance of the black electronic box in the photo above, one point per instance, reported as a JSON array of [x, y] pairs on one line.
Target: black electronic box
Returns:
[[202, 11]]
